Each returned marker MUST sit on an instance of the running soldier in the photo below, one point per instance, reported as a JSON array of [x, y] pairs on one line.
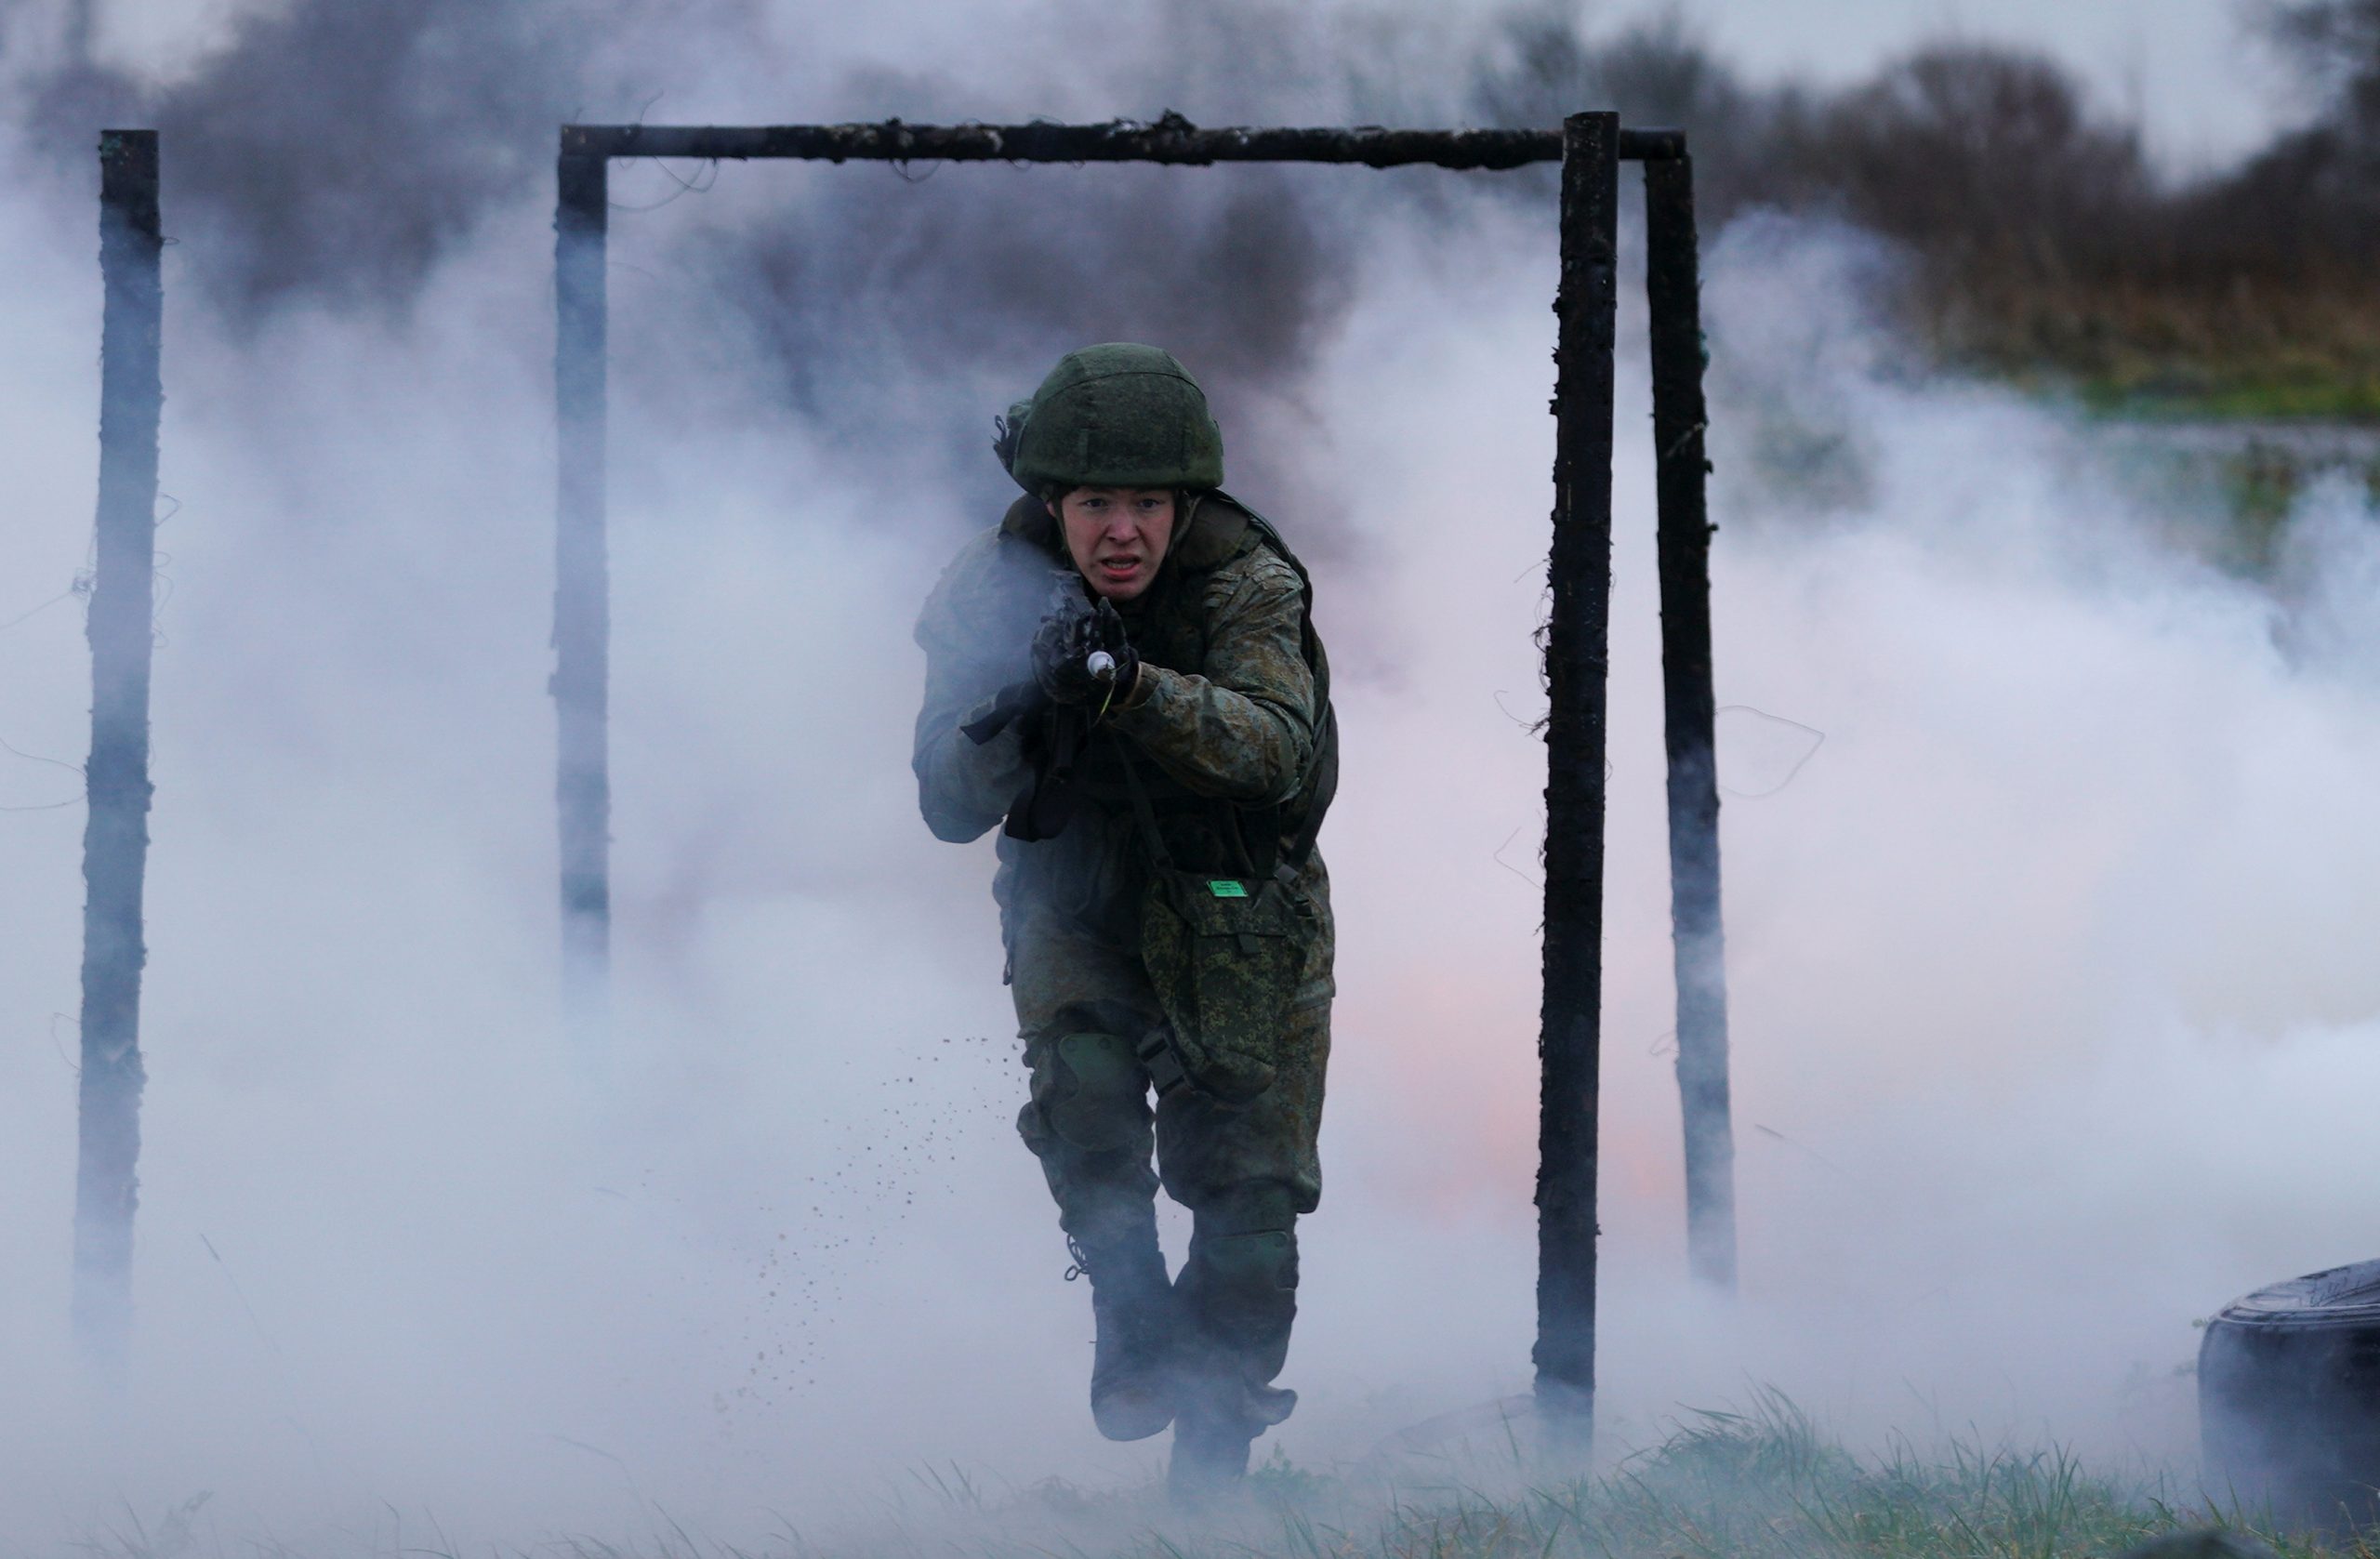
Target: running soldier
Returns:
[[1124, 673]]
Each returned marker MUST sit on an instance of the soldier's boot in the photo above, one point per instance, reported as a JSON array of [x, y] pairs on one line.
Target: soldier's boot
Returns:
[[1132, 1365], [1239, 1296], [1089, 1124], [1217, 1419]]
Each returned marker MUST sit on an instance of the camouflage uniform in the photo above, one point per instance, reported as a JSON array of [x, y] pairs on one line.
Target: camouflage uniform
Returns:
[[1222, 730]]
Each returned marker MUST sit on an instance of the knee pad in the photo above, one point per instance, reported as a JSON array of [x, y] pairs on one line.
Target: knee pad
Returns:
[[1096, 1097], [1245, 1243]]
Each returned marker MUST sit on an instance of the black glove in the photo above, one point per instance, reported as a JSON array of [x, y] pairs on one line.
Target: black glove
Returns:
[[1081, 655]]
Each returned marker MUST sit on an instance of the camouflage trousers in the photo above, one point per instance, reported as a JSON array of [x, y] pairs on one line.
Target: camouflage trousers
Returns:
[[1245, 1174]]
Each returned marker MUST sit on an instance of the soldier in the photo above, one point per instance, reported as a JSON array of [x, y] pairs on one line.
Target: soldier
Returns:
[[1125, 669]]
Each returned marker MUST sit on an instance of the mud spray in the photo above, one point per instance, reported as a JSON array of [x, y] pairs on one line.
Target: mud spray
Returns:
[[2053, 860]]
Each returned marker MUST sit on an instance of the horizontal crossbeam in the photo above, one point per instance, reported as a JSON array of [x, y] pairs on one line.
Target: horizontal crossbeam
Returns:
[[1170, 140]]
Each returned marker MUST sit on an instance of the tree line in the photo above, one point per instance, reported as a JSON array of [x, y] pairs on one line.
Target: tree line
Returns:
[[2038, 236]]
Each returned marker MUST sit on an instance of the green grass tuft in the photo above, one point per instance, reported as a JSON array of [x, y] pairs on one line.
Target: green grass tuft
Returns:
[[1765, 1483]]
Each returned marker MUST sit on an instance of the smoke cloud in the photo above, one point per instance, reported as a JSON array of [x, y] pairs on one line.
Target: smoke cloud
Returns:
[[2049, 846]]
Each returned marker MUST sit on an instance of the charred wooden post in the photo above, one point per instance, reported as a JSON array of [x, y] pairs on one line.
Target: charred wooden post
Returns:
[[115, 837], [1673, 285], [1577, 658], [582, 593]]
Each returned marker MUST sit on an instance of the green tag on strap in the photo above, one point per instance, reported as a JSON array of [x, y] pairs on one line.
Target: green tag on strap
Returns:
[[1225, 888]]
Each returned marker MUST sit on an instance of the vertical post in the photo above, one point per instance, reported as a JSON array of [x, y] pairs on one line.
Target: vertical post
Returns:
[[1673, 285], [582, 591], [1576, 657], [115, 836]]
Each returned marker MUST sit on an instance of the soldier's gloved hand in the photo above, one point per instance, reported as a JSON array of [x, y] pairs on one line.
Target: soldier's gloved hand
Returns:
[[1061, 648], [1085, 657]]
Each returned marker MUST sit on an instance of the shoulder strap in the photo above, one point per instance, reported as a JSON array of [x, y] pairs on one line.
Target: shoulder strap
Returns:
[[1144, 814], [1321, 786]]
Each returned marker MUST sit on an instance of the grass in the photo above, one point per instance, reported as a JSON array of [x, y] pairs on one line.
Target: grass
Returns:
[[2249, 397], [1768, 1485], [2259, 353], [1764, 1483], [2268, 394]]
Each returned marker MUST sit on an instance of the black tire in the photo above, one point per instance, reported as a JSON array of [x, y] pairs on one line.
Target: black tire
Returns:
[[2288, 1401]]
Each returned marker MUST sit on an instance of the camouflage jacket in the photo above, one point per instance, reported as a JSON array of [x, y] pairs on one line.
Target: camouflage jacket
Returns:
[[1222, 726]]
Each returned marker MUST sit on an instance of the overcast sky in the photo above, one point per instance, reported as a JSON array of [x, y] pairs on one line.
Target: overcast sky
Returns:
[[2204, 90]]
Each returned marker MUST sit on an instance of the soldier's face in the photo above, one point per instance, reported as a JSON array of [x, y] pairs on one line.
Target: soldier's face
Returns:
[[1116, 535]]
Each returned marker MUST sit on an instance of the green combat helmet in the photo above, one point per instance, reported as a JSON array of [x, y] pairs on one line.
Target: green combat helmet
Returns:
[[1114, 415]]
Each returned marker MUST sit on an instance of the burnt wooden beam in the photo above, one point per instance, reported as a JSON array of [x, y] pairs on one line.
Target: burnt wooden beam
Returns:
[[582, 591], [1577, 661], [1673, 286], [115, 836], [1170, 140]]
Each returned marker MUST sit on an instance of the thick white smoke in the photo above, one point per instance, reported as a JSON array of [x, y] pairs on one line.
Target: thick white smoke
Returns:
[[2050, 1002]]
